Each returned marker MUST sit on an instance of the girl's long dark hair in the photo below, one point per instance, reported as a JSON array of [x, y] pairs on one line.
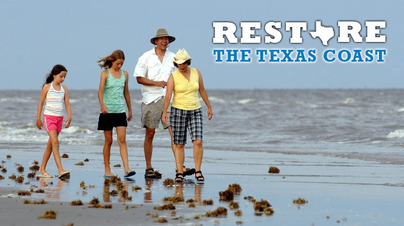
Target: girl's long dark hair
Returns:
[[55, 70]]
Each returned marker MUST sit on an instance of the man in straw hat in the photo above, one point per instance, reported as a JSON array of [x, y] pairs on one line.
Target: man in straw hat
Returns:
[[152, 71]]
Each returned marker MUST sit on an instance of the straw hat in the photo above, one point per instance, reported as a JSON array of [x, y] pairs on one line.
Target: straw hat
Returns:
[[162, 33], [181, 56]]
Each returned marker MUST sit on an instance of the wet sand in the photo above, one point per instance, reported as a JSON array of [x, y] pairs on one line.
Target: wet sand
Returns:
[[338, 190]]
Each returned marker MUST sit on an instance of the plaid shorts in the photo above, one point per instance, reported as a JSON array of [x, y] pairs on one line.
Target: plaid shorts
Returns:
[[183, 120]]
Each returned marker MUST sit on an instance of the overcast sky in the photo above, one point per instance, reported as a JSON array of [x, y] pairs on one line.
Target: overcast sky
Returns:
[[35, 35]]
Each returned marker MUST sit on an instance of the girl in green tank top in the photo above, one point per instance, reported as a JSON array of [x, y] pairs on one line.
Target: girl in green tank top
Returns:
[[113, 93]]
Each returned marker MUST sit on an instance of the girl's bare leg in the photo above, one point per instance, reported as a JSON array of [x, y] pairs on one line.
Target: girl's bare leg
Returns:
[[46, 156], [53, 136], [121, 137], [107, 151]]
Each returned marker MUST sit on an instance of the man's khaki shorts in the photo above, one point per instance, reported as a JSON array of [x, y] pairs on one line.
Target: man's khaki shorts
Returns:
[[151, 114]]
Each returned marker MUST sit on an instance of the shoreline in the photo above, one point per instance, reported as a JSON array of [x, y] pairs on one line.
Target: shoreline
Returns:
[[338, 190]]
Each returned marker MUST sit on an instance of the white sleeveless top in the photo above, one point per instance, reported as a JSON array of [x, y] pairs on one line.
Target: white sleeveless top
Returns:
[[54, 101]]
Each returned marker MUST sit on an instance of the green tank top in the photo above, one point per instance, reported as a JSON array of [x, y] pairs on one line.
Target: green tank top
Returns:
[[113, 93]]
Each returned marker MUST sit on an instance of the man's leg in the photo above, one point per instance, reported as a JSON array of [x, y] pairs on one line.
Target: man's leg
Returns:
[[148, 146]]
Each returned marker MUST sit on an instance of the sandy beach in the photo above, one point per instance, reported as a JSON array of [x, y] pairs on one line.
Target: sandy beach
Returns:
[[337, 190]]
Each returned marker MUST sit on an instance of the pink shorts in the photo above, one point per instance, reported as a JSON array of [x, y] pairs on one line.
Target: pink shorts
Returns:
[[53, 123]]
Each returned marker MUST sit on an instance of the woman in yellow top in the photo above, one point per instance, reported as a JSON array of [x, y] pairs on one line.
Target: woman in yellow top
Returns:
[[186, 112]]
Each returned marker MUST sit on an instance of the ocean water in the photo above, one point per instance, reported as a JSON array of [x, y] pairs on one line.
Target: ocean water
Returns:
[[354, 124]]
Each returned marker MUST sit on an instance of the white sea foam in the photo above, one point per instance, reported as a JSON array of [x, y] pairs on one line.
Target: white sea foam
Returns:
[[31, 134], [16, 100], [266, 102], [349, 100], [245, 101], [76, 129], [310, 105], [73, 100], [396, 134], [401, 109], [216, 99]]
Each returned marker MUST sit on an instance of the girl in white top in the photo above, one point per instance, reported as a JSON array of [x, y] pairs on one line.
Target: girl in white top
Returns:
[[56, 96]]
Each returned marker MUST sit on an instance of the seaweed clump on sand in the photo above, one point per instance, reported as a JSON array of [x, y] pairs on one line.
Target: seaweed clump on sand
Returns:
[[20, 169], [263, 206], [95, 203], [114, 193], [42, 201], [19, 179], [207, 202], [273, 169], [235, 188], [1, 177], [233, 205], [24, 193], [83, 185], [174, 199], [238, 213], [250, 198], [136, 188], [117, 165], [161, 220], [79, 164], [49, 214], [220, 211], [31, 175], [34, 167], [191, 203], [300, 201], [37, 190], [169, 206], [125, 195], [65, 156], [115, 179], [76, 203], [158, 174], [226, 195], [168, 182]]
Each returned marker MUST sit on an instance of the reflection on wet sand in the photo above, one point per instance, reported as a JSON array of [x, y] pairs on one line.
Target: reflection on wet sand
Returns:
[[179, 191], [115, 190], [121, 189], [52, 192], [148, 190]]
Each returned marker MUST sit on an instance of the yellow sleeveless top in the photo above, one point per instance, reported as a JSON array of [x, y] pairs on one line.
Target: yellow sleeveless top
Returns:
[[186, 92]]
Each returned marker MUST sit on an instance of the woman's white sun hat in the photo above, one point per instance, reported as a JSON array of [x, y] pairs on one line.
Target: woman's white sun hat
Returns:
[[181, 56]]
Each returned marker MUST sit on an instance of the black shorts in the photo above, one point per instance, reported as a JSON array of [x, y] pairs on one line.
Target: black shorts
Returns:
[[111, 120]]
